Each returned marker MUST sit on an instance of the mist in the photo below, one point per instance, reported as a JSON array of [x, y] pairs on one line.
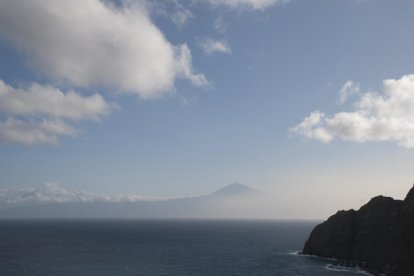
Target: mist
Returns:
[[235, 201]]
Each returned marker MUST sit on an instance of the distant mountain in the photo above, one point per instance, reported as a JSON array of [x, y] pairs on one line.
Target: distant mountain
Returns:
[[235, 189], [233, 201], [379, 236]]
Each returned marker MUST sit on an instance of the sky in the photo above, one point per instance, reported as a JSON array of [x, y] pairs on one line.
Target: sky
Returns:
[[310, 101]]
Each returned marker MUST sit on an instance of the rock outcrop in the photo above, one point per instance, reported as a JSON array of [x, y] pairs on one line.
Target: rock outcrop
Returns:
[[380, 235]]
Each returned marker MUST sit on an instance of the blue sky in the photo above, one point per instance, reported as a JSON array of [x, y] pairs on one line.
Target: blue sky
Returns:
[[164, 124]]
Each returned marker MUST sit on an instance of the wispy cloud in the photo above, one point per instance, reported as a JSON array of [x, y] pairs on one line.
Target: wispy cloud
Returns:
[[179, 14], [220, 25], [248, 4], [183, 66], [173, 9], [210, 46], [385, 116], [181, 17], [186, 100], [349, 89]]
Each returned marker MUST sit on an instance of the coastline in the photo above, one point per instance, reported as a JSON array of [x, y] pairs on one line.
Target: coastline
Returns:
[[367, 271]]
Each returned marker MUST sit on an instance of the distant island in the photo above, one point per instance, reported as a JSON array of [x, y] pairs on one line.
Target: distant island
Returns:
[[378, 238], [231, 201]]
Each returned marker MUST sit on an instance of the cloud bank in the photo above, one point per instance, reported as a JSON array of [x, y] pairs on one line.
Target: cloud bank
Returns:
[[385, 116], [94, 43], [52, 193]]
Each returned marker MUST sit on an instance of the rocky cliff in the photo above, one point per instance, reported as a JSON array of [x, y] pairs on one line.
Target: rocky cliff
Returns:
[[380, 234]]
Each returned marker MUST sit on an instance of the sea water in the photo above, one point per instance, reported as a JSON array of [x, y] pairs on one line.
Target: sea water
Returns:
[[158, 247]]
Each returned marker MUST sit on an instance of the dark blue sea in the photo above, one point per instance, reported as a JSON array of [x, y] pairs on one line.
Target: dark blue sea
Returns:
[[157, 247]]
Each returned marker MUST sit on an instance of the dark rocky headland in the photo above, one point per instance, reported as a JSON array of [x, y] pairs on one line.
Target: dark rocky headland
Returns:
[[379, 236]]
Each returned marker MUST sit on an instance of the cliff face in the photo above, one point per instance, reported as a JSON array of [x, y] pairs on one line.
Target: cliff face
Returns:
[[380, 233]]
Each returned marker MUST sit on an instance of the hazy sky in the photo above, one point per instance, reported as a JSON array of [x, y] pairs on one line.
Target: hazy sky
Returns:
[[311, 100]]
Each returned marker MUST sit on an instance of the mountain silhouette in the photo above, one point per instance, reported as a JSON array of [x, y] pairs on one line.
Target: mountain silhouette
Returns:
[[235, 189]]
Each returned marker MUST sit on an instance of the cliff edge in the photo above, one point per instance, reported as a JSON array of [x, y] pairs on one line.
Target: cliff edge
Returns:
[[380, 235]]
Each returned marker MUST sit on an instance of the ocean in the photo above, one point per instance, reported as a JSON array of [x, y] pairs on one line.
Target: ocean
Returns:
[[158, 247]]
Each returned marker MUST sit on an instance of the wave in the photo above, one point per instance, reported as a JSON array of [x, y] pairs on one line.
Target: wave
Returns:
[[312, 256], [345, 269]]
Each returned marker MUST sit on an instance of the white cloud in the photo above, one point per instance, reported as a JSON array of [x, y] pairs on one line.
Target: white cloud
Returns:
[[209, 46], [33, 132], [349, 89], [84, 43], [220, 25], [310, 127], [180, 15], [186, 101], [52, 193], [386, 116], [171, 9], [46, 100], [184, 68], [248, 4], [93, 43]]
